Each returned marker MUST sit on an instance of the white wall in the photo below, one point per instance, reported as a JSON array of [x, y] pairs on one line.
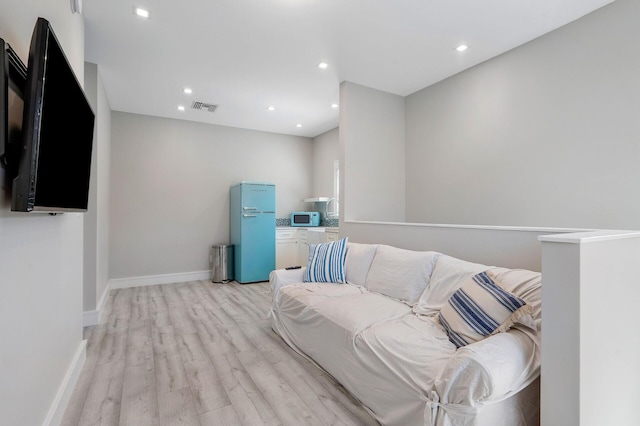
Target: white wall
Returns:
[[590, 363], [91, 216], [326, 149], [362, 187], [372, 153], [507, 247], [103, 173], [544, 135], [96, 219], [170, 183], [40, 263]]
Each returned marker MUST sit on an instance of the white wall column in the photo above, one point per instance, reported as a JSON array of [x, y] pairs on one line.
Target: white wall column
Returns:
[[590, 301], [372, 154]]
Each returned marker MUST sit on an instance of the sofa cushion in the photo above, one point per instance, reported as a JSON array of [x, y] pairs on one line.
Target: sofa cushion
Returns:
[[403, 358], [324, 319], [295, 298], [358, 262], [480, 308], [326, 262], [523, 283], [399, 273], [419, 341], [448, 275]]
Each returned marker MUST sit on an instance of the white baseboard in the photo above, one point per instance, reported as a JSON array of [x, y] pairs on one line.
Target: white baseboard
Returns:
[[56, 411], [90, 318], [159, 279]]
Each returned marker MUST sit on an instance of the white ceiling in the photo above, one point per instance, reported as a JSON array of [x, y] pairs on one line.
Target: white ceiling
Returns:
[[245, 55]]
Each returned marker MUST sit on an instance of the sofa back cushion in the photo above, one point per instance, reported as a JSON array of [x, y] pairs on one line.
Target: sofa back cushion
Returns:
[[400, 274], [523, 283], [358, 262], [448, 275]]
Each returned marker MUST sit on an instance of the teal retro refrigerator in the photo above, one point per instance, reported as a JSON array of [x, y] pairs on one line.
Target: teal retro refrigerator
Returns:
[[253, 230]]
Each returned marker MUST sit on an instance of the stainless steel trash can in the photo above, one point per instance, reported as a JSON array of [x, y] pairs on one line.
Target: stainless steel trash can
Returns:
[[221, 263]]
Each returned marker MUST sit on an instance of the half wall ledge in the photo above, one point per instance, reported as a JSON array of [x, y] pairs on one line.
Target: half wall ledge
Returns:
[[590, 298]]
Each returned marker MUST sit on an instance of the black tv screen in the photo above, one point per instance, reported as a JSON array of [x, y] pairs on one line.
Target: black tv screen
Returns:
[[57, 128]]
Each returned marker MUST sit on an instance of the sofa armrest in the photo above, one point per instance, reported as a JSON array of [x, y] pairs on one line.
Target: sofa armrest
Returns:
[[282, 277], [490, 370]]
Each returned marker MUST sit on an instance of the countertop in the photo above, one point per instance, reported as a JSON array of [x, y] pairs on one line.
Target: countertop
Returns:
[[310, 228]]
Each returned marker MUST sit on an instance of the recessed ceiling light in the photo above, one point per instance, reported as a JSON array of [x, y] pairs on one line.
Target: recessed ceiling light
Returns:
[[334, 105], [462, 48], [323, 65], [180, 108], [141, 12], [298, 125], [271, 108], [187, 91]]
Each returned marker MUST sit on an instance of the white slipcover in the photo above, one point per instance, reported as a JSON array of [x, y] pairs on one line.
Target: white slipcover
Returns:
[[400, 364]]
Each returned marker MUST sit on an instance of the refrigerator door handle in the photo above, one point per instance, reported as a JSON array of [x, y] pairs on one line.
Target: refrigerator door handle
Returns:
[[249, 208], [249, 215]]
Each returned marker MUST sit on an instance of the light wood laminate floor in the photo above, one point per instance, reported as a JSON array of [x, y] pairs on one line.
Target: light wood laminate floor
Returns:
[[200, 353]]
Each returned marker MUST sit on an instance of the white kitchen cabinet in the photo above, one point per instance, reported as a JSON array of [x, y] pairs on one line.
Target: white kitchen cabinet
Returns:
[[316, 236], [322, 235], [303, 247], [292, 244], [286, 248], [331, 235]]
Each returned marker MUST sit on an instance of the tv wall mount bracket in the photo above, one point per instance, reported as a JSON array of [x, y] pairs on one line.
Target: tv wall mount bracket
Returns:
[[13, 74]]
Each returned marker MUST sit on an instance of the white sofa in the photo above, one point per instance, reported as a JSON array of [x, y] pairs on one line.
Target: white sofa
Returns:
[[379, 335]]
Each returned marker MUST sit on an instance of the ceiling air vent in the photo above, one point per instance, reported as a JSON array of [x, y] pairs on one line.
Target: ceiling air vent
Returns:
[[204, 106]]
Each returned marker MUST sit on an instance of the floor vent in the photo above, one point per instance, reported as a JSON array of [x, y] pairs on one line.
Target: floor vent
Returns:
[[204, 106]]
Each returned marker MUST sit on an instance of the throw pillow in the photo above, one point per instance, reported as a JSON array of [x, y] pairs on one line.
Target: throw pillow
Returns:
[[400, 273], [448, 275], [326, 262], [480, 308]]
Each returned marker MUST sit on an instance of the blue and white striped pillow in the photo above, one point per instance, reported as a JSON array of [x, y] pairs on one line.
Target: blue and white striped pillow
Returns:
[[326, 262], [479, 309]]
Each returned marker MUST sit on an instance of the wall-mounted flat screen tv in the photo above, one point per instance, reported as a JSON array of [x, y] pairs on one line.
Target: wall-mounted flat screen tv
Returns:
[[57, 128]]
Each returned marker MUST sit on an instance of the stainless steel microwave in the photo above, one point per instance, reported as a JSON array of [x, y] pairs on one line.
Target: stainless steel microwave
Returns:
[[305, 219]]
